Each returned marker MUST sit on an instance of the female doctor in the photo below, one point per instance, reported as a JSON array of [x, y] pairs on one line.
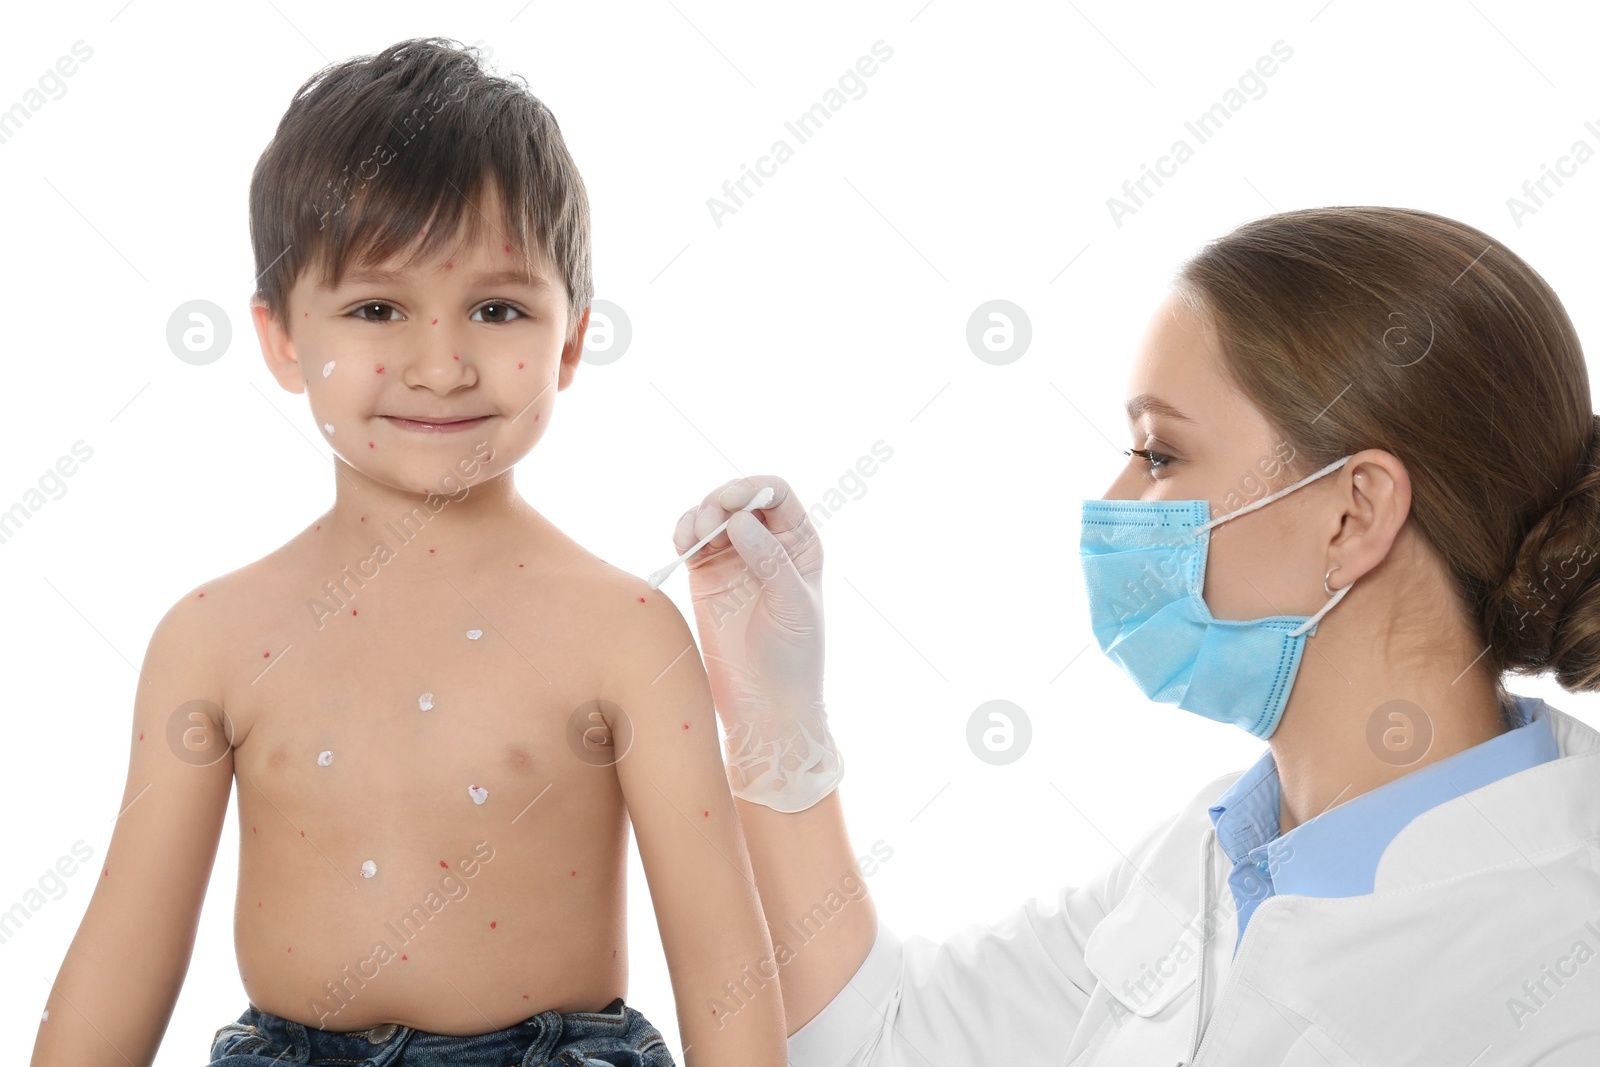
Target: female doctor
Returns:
[[1436, 525]]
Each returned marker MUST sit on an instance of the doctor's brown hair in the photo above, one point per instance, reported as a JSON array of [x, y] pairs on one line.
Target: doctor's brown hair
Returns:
[[1390, 328], [374, 149]]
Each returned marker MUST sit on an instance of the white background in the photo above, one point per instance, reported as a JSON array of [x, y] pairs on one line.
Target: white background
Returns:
[[827, 313]]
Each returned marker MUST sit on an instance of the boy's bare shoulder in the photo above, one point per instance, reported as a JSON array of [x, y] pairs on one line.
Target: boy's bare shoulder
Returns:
[[206, 615], [216, 620], [188, 639], [223, 603], [622, 602]]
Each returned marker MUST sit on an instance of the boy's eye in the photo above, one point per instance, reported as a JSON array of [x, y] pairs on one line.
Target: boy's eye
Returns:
[[370, 305], [502, 307]]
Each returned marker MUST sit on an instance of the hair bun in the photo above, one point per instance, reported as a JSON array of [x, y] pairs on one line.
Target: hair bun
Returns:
[[1545, 613]]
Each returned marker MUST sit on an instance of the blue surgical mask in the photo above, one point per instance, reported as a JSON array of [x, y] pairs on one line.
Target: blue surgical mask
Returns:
[[1144, 564]]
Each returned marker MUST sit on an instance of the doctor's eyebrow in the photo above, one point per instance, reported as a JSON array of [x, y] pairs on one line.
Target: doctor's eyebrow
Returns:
[[1148, 402]]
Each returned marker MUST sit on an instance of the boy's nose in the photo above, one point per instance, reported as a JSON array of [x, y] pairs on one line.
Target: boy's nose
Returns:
[[440, 360]]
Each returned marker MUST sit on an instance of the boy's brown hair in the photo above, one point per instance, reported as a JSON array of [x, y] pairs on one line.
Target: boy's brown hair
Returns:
[[378, 148]]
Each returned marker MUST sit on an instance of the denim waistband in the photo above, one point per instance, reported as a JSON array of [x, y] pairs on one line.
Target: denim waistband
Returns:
[[531, 1040]]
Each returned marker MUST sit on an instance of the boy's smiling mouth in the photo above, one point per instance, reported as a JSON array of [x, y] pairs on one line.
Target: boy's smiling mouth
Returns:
[[445, 424]]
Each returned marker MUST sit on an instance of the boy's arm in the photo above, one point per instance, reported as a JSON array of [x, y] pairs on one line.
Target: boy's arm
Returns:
[[719, 953], [117, 987]]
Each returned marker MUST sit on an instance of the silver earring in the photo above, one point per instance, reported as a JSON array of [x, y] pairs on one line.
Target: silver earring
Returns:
[[1325, 578]]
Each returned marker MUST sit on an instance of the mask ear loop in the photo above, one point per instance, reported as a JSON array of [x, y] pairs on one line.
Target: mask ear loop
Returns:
[[1263, 502], [1270, 497], [1312, 622]]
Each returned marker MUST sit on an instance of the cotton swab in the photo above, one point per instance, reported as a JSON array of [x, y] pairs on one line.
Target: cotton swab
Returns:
[[762, 498]]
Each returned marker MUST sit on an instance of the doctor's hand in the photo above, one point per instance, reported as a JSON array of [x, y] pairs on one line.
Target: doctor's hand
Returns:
[[757, 593]]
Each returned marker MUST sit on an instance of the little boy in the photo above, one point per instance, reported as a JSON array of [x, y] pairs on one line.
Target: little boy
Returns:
[[440, 711]]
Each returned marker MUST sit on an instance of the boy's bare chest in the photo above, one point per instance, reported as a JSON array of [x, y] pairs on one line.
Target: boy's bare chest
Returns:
[[461, 694]]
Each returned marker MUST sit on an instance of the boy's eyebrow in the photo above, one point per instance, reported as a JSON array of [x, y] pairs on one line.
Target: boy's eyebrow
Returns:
[[504, 276]]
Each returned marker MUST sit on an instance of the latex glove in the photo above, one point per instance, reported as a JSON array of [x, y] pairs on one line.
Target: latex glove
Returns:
[[757, 594]]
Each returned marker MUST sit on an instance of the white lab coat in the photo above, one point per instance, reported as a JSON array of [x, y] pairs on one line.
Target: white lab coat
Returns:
[[1479, 945]]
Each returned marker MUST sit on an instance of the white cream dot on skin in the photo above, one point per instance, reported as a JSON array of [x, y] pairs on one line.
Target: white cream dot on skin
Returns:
[[328, 426], [473, 635], [324, 757], [368, 869], [46, 1016], [478, 793], [327, 368], [425, 702]]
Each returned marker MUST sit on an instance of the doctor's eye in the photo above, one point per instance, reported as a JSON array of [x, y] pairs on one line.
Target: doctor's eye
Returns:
[[1154, 460]]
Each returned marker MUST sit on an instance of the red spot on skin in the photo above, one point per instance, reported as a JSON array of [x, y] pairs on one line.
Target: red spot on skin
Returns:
[[535, 416], [378, 369], [707, 814], [519, 366], [302, 833], [522, 564], [493, 924], [442, 863], [430, 551], [291, 948], [436, 322], [258, 903], [713, 1011], [141, 735], [106, 873], [266, 655], [641, 600], [508, 248], [574, 874], [455, 357], [252, 829], [371, 445], [202, 594], [405, 957], [363, 518], [524, 996], [685, 726], [613, 953], [450, 265], [424, 233], [353, 611], [319, 526]]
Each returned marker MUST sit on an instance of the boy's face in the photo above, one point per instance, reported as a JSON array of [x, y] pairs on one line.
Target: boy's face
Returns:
[[389, 359]]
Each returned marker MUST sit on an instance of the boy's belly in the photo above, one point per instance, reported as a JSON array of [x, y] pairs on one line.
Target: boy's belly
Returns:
[[470, 915], [467, 922]]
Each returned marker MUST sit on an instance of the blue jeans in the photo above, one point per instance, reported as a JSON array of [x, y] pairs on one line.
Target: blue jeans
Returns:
[[616, 1036]]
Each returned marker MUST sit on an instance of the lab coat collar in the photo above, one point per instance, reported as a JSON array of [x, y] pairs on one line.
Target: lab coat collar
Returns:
[[1146, 951], [1552, 807], [1336, 853]]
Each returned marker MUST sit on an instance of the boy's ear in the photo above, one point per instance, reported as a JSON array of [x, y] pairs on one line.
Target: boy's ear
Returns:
[[572, 352], [277, 347]]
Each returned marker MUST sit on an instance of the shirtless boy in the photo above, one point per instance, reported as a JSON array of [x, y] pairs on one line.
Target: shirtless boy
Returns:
[[441, 712]]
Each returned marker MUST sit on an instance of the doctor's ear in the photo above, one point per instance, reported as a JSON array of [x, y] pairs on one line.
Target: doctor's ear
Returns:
[[1376, 501]]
